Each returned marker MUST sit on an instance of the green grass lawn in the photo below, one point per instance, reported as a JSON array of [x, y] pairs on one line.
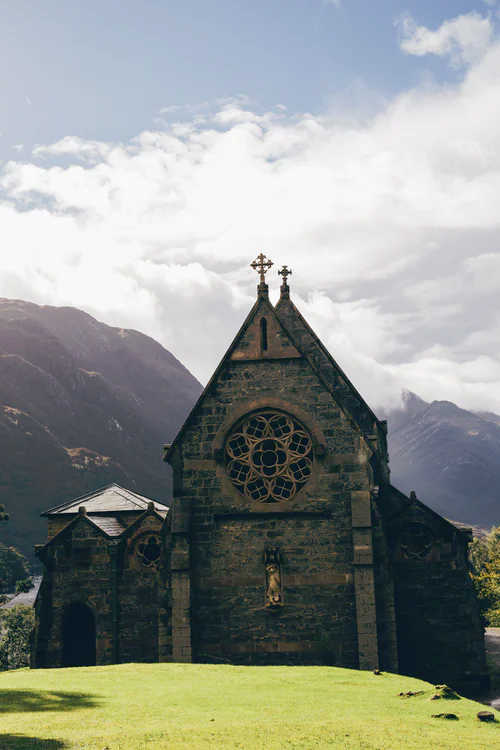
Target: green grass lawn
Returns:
[[135, 706]]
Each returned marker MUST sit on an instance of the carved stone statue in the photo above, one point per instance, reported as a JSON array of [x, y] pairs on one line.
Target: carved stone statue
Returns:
[[274, 595]]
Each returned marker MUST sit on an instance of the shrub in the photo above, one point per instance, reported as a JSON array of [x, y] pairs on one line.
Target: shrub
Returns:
[[17, 626], [23, 586]]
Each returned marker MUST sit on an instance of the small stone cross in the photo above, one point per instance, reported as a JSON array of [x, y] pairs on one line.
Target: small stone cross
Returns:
[[285, 272], [262, 265]]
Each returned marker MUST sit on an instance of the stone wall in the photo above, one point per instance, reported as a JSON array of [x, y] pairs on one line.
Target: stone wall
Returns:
[[125, 596], [71, 581], [139, 596], [313, 531], [439, 634]]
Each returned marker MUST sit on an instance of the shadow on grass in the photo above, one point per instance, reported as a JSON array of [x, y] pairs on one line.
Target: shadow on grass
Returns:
[[18, 701], [21, 742]]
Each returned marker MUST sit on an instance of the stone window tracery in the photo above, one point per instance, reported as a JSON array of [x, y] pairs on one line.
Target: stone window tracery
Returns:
[[149, 551], [269, 457], [415, 541]]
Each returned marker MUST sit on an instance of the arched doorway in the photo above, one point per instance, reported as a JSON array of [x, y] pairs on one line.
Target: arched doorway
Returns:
[[78, 636]]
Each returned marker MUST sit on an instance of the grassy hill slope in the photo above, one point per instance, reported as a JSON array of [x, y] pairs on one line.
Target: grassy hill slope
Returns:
[[139, 706]]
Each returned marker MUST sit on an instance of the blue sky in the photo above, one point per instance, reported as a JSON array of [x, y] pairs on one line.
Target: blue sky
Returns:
[[102, 69], [150, 150]]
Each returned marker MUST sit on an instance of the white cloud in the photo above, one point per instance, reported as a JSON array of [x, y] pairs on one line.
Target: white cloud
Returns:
[[389, 220], [74, 146], [462, 40], [332, 2]]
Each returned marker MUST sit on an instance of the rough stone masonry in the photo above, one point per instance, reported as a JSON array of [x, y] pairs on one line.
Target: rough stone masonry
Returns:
[[285, 542]]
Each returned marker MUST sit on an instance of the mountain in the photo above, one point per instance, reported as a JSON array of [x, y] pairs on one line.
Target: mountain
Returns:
[[449, 456], [82, 404]]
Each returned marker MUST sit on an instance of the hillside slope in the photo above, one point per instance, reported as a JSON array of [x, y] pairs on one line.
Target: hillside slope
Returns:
[[449, 456], [82, 404]]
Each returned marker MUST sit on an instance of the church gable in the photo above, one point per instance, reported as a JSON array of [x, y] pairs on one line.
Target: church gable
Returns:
[[266, 339], [272, 483], [285, 542], [341, 387], [79, 526], [263, 336]]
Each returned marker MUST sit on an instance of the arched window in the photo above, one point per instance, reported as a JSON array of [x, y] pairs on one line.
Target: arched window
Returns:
[[263, 334]]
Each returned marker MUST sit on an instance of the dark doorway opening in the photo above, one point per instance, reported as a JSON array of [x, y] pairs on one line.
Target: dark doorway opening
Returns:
[[78, 636]]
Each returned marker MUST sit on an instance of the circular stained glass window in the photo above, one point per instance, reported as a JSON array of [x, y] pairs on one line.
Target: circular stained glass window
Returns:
[[269, 457], [149, 551]]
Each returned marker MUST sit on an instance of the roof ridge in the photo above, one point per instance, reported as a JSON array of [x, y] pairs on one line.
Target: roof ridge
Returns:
[[87, 496], [139, 502]]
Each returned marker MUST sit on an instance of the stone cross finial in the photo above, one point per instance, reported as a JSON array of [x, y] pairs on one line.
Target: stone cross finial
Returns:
[[285, 273], [262, 265]]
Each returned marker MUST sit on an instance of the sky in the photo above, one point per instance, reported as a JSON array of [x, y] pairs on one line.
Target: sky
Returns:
[[151, 150]]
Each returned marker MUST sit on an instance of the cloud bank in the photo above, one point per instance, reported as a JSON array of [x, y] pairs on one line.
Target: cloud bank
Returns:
[[462, 40], [389, 221]]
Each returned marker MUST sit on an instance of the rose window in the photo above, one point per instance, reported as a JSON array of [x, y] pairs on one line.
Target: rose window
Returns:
[[415, 541], [149, 551], [269, 457]]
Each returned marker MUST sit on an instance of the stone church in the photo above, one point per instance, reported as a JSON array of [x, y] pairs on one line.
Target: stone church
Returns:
[[285, 542]]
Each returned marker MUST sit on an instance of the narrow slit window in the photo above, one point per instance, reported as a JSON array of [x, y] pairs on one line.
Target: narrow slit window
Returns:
[[263, 334]]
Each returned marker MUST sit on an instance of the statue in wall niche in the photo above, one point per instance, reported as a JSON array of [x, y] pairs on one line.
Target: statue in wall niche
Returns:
[[274, 593]]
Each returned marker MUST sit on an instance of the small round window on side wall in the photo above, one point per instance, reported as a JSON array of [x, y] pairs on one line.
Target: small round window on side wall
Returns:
[[149, 551], [415, 541]]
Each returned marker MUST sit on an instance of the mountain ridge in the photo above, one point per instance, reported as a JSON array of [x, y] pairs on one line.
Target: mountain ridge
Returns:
[[449, 456], [82, 404]]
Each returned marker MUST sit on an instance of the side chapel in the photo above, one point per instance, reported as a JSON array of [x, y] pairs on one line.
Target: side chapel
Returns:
[[285, 542]]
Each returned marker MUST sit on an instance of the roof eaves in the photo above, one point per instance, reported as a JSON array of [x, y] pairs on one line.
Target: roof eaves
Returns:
[[69, 503], [66, 528]]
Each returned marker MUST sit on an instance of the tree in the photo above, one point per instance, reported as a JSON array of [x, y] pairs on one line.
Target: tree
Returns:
[[485, 573], [13, 567], [13, 564], [22, 587], [17, 625]]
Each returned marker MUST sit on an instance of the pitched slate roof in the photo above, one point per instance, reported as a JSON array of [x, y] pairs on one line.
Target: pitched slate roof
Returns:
[[111, 499], [27, 598], [110, 525]]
